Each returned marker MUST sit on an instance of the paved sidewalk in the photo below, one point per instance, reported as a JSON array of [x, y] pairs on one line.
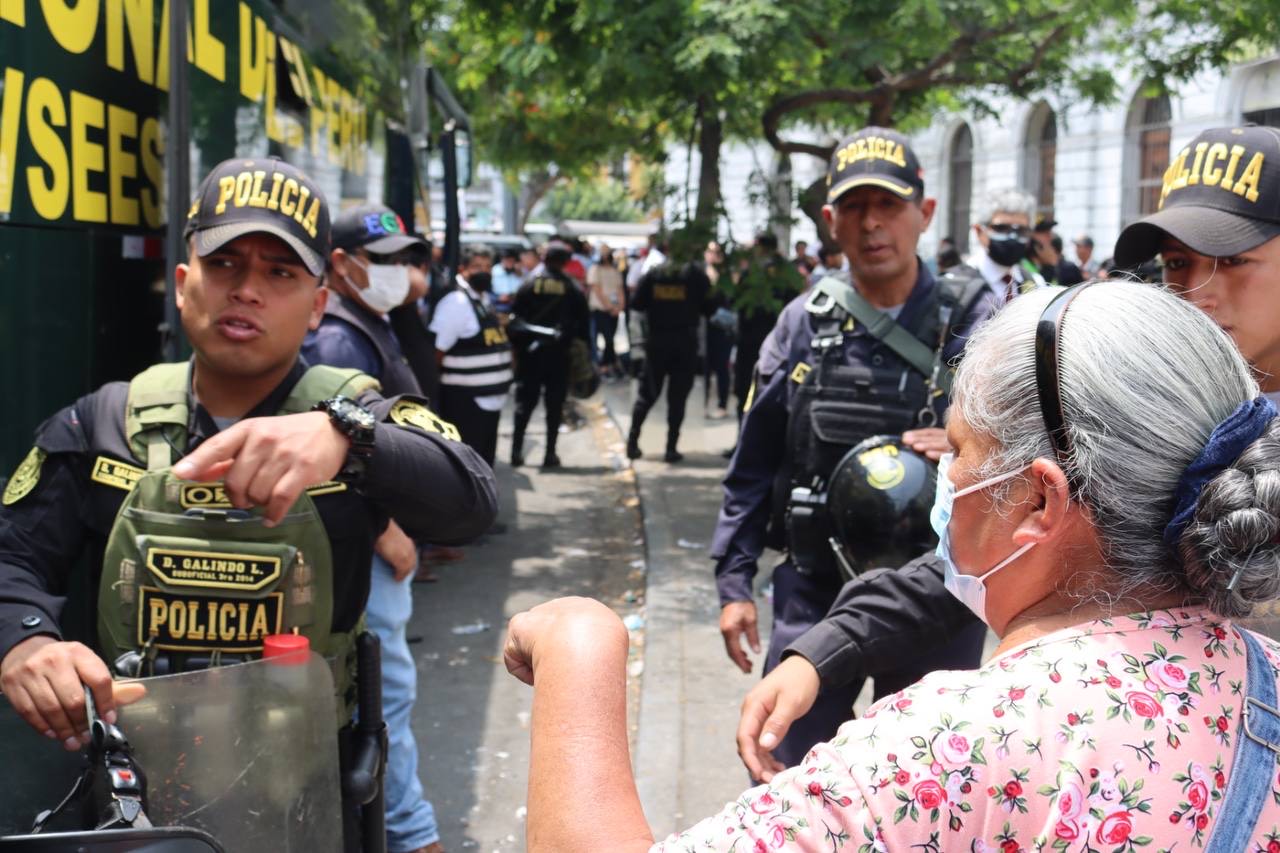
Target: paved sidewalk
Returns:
[[572, 531], [686, 761]]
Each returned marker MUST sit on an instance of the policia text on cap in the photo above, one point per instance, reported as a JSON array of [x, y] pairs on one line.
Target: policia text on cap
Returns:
[[238, 412]]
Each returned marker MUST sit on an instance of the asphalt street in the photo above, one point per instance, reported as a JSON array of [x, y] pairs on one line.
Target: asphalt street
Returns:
[[634, 536]]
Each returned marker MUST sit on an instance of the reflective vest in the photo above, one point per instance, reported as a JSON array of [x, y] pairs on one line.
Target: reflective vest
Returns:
[[481, 364], [188, 577]]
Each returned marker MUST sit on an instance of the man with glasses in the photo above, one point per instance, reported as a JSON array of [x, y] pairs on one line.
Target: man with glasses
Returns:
[[1002, 232], [371, 273]]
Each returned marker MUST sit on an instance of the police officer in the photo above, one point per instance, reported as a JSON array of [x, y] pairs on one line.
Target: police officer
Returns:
[[278, 436], [548, 313], [371, 274], [842, 364], [474, 356], [674, 298], [1216, 233]]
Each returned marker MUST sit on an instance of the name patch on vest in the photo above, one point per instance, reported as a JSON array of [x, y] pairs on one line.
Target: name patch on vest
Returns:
[[214, 495], [669, 292], [213, 569], [203, 623], [114, 473]]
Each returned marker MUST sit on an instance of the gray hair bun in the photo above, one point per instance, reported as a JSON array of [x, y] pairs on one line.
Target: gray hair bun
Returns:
[[1235, 530]]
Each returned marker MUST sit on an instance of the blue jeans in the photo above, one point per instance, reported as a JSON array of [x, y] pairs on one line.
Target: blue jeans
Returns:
[[411, 820]]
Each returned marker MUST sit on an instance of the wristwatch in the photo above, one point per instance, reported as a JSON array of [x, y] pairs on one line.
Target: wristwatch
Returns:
[[356, 423]]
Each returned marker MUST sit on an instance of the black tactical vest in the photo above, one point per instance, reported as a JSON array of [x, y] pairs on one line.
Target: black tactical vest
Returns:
[[396, 376], [481, 364], [838, 404]]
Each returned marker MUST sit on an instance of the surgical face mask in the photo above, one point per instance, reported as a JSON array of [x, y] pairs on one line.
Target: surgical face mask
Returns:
[[971, 590], [1006, 249], [388, 285]]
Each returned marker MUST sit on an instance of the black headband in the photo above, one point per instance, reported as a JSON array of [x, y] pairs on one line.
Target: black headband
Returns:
[[1048, 373]]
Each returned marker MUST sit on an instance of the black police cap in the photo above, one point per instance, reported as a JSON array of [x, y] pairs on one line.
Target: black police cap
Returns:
[[875, 157], [260, 196], [1221, 197]]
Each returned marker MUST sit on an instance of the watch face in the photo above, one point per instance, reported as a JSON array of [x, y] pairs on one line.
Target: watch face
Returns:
[[351, 411]]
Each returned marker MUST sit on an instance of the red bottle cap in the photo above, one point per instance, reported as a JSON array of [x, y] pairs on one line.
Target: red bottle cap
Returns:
[[286, 649]]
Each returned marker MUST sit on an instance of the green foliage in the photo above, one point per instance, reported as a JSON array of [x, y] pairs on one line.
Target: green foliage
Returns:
[[565, 85], [603, 201]]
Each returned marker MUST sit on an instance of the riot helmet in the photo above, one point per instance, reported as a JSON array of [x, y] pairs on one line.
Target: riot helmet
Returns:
[[879, 497]]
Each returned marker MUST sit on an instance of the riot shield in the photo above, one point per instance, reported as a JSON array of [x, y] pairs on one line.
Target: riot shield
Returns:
[[247, 753]]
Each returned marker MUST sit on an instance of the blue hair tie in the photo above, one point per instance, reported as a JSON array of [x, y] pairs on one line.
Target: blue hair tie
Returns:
[[1227, 441]]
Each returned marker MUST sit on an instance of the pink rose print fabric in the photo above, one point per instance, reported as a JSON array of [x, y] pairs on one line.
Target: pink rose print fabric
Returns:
[[1110, 736]]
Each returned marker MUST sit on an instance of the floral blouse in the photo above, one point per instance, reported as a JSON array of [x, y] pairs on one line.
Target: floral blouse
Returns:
[[1114, 735]]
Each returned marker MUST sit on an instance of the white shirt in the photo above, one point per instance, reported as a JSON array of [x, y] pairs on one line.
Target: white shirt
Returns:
[[454, 320], [994, 275], [651, 260]]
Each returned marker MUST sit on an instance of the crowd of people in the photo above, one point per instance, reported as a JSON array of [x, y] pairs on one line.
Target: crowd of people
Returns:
[[1106, 500]]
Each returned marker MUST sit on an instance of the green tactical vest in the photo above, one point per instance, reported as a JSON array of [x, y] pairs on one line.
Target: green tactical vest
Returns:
[[188, 576]]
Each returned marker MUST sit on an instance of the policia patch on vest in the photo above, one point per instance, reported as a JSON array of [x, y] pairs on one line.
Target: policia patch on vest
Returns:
[[113, 472], [414, 414], [190, 623], [25, 478]]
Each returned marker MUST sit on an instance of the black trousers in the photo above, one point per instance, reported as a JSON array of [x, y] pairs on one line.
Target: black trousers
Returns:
[[479, 428], [542, 373], [668, 357], [719, 345]]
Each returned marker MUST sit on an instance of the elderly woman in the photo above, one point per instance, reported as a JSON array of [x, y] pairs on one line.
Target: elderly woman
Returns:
[[1113, 501]]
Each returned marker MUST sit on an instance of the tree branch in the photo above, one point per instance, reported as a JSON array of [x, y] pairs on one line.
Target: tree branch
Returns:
[[883, 94]]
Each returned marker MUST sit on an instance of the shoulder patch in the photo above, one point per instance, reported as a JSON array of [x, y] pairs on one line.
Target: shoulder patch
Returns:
[[114, 473], [414, 414], [799, 372], [25, 478]]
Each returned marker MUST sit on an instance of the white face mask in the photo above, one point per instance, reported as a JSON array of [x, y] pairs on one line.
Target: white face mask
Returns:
[[388, 285], [969, 589]]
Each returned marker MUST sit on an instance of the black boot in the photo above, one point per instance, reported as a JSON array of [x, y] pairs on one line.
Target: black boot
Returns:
[[672, 455], [550, 460], [633, 444]]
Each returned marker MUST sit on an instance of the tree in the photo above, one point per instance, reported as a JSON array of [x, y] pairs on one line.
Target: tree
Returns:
[[899, 66], [606, 201], [578, 84]]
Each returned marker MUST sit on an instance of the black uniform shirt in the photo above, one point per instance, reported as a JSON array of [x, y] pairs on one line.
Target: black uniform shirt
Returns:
[[552, 299], [882, 622], [437, 489], [674, 299]]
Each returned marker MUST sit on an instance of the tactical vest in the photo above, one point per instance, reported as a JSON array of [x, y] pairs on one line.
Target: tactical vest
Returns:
[[188, 579], [481, 364], [838, 404], [396, 376]]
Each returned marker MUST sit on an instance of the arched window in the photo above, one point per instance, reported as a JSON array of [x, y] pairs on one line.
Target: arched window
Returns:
[[960, 190], [1147, 140], [1039, 154]]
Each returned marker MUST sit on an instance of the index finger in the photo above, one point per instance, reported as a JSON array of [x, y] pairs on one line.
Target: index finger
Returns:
[[217, 452], [749, 726]]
